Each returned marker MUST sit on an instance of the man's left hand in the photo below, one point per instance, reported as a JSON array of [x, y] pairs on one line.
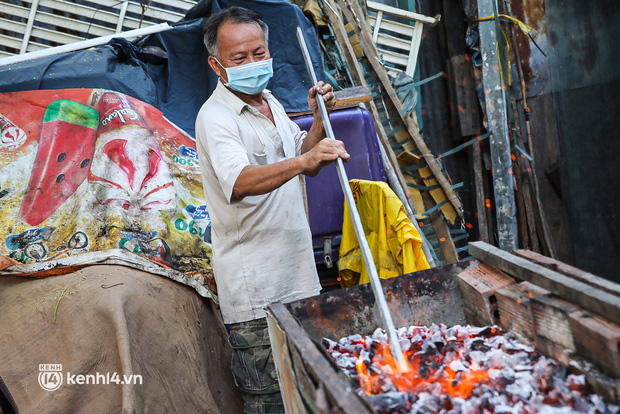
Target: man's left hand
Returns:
[[324, 89]]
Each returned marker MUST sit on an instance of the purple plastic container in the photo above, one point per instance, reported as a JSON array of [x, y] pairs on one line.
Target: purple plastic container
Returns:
[[354, 127]]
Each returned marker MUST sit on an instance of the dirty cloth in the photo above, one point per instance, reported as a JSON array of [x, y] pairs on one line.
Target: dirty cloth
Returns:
[[262, 245], [113, 319], [395, 243]]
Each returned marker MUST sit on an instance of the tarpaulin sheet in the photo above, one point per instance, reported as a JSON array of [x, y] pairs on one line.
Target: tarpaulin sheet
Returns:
[[180, 84], [394, 242], [87, 171], [119, 323]]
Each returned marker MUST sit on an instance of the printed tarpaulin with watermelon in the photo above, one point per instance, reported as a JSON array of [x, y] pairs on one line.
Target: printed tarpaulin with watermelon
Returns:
[[89, 171]]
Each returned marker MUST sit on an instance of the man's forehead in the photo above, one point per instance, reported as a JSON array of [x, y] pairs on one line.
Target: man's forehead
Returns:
[[231, 32]]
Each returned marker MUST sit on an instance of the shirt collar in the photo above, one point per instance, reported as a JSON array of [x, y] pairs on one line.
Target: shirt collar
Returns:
[[233, 100]]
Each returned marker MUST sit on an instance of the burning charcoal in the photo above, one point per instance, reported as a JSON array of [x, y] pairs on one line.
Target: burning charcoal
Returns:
[[489, 331], [506, 376], [329, 344], [461, 370], [477, 344], [576, 382], [392, 402], [547, 409], [426, 404]]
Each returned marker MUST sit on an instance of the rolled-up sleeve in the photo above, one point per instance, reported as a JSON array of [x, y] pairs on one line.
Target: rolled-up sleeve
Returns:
[[222, 143], [298, 135]]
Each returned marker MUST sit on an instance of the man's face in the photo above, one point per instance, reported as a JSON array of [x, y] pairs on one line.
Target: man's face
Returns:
[[239, 44]]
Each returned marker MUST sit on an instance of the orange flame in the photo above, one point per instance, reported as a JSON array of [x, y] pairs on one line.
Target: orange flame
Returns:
[[385, 369]]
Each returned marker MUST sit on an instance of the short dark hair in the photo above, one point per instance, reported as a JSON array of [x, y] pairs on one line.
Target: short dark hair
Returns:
[[235, 14]]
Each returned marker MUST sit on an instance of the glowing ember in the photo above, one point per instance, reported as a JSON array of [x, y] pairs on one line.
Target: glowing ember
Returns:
[[463, 369]]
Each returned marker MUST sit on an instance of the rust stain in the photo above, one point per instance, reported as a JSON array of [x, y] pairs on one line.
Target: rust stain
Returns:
[[523, 42]]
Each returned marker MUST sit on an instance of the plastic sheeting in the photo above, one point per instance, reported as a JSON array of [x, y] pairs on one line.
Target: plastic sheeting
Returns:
[[179, 84]]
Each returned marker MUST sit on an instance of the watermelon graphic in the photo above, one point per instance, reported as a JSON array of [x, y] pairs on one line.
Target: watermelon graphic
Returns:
[[66, 147]]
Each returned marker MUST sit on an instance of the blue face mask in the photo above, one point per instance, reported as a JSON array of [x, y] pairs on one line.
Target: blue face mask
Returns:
[[250, 78]]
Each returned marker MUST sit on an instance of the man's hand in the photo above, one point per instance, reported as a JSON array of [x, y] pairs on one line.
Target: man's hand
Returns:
[[324, 89], [323, 153]]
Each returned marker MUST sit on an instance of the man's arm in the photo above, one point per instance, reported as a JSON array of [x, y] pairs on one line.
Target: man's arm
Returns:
[[316, 152], [262, 179]]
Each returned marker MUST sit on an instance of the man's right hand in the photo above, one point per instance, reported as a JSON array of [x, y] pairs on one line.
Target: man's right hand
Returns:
[[325, 152]]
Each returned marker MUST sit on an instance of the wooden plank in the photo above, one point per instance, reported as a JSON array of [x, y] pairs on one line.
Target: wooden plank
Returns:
[[441, 230], [597, 339], [464, 86], [515, 313], [345, 98], [588, 297], [12, 26], [503, 191], [404, 14], [53, 35], [284, 365], [10, 41], [14, 10], [395, 42], [570, 271], [75, 25], [81, 10], [154, 13], [392, 26], [478, 286], [360, 80], [353, 13], [392, 57], [352, 96], [526, 191], [346, 400], [481, 216]]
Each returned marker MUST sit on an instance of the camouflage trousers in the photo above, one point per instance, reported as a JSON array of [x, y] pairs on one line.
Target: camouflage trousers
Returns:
[[253, 367]]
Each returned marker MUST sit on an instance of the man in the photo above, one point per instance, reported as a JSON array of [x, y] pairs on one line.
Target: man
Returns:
[[251, 155]]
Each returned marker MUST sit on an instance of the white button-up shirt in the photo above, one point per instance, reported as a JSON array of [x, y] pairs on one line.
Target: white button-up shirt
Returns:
[[262, 245]]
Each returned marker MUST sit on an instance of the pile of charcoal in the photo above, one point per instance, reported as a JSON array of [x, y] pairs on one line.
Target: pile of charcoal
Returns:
[[462, 369]]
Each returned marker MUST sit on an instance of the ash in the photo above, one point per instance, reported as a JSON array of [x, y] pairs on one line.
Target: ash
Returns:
[[462, 369]]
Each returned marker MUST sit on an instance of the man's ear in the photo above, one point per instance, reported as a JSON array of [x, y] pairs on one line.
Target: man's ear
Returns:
[[215, 66]]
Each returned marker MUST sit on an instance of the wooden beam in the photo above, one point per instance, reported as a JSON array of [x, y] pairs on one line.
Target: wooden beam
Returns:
[[588, 297], [505, 209], [345, 98], [344, 400], [355, 16], [358, 78], [476, 160], [403, 14], [570, 271]]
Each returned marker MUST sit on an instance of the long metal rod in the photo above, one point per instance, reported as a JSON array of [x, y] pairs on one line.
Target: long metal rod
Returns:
[[395, 348]]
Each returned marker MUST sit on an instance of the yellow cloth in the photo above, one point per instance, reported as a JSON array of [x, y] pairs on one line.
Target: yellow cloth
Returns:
[[395, 243]]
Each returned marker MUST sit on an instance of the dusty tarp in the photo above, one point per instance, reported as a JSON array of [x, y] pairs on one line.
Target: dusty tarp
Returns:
[[92, 170], [113, 319]]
